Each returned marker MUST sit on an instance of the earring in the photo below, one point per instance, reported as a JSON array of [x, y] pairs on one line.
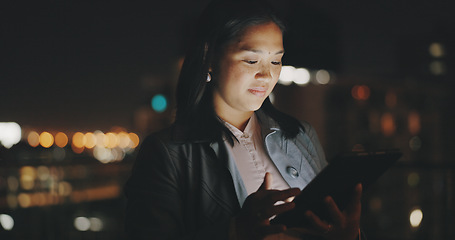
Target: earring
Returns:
[[209, 77]]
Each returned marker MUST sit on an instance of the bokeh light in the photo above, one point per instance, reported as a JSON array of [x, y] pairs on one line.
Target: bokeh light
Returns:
[[415, 218], [79, 140], [27, 177], [388, 126], [159, 103], [24, 200], [112, 140], [134, 139], [46, 139], [322, 77], [100, 138], [43, 173], [414, 122], [437, 68], [61, 140], [302, 76], [13, 183], [415, 143], [10, 134], [360, 92], [82, 224], [413, 179], [124, 140], [96, 224], [6, 221], [64, 188], [286, 75], [436, 50], [90, 140], [33, 139]]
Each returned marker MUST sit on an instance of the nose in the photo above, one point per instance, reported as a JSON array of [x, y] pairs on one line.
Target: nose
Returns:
[[264, 73]]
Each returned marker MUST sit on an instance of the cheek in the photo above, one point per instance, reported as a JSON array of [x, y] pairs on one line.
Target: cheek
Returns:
[[276, 74], [235, 77]]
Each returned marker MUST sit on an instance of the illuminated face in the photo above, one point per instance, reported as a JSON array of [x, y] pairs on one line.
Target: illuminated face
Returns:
[[248, 70]]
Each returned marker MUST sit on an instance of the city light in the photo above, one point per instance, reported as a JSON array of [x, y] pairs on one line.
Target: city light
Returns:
[[159, 103], [134, 140], [24, 200], [43, 173], [90, 140], [10, 134], [96, 224], [415, 143], [61, 140], [301, 76], [79, 140], [46, 139], [105, 147], [6, 221], [437, 68], [82, 224], [286, 75], [414, 122], [413, 179], [388, 126], [436, 50], [27, 177], [360, 92], [124, 140], [415, 218], [33, 139], [322, 77]]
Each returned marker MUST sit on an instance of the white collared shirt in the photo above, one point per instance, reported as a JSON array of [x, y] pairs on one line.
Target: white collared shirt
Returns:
[[251, 157]]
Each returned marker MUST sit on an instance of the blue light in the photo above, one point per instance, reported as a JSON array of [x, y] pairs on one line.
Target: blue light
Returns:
[[159, 103]]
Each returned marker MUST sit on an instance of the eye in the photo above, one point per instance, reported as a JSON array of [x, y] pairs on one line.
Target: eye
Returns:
[[276, 62], [250, 61]]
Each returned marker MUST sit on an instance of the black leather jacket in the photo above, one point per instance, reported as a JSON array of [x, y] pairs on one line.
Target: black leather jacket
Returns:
[[179, 190]]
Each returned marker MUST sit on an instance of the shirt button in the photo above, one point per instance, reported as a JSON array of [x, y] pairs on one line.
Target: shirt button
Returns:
[[245, 135], [293, 172]]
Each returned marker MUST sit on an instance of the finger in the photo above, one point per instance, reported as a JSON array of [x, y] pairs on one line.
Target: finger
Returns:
[[278, 209], [354, 205], [335, 214], [282, 195], [267, 183], [317, 223]]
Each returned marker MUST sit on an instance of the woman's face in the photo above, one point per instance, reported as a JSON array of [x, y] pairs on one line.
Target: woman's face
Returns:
[[248, 70]]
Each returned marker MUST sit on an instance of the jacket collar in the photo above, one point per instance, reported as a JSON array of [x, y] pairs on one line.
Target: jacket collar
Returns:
[[181, 134]]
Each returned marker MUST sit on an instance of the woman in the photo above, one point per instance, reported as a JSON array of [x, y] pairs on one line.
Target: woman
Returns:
[[231, 161]]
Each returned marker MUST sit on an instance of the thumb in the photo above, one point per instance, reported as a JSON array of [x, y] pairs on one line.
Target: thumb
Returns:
[[267, 184]]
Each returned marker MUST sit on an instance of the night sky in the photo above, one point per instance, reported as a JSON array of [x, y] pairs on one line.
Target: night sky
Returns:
[[86, 66]]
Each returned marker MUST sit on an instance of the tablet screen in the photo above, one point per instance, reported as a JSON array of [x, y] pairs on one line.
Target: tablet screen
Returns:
[[338, 180]]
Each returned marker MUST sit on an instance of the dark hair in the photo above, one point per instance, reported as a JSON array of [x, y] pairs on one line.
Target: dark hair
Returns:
[[222, 22]]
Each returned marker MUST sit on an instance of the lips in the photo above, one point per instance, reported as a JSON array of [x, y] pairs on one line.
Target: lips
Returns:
[[258, 91]]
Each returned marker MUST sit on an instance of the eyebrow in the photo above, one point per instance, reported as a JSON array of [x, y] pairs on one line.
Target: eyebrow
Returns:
[[259, 51]]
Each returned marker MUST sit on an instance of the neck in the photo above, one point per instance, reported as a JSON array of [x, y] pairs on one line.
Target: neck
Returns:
[[237, 119]]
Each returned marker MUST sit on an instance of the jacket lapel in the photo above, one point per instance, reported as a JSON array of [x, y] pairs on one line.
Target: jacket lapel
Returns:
[[217, 181]]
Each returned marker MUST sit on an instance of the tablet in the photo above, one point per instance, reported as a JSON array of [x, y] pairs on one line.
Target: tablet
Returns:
[[338, 180]]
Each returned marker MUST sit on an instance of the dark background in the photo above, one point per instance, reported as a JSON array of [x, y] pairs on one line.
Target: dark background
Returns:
[[85, 66]]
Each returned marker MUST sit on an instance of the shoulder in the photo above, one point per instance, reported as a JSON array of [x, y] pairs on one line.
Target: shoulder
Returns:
[[171, 143], [307, 128]]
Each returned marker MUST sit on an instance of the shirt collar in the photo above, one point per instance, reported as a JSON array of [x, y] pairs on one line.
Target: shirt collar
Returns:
[[251, 127]]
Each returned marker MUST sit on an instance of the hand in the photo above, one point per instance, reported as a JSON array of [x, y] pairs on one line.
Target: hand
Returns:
[[344, 225], [253, 220]]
